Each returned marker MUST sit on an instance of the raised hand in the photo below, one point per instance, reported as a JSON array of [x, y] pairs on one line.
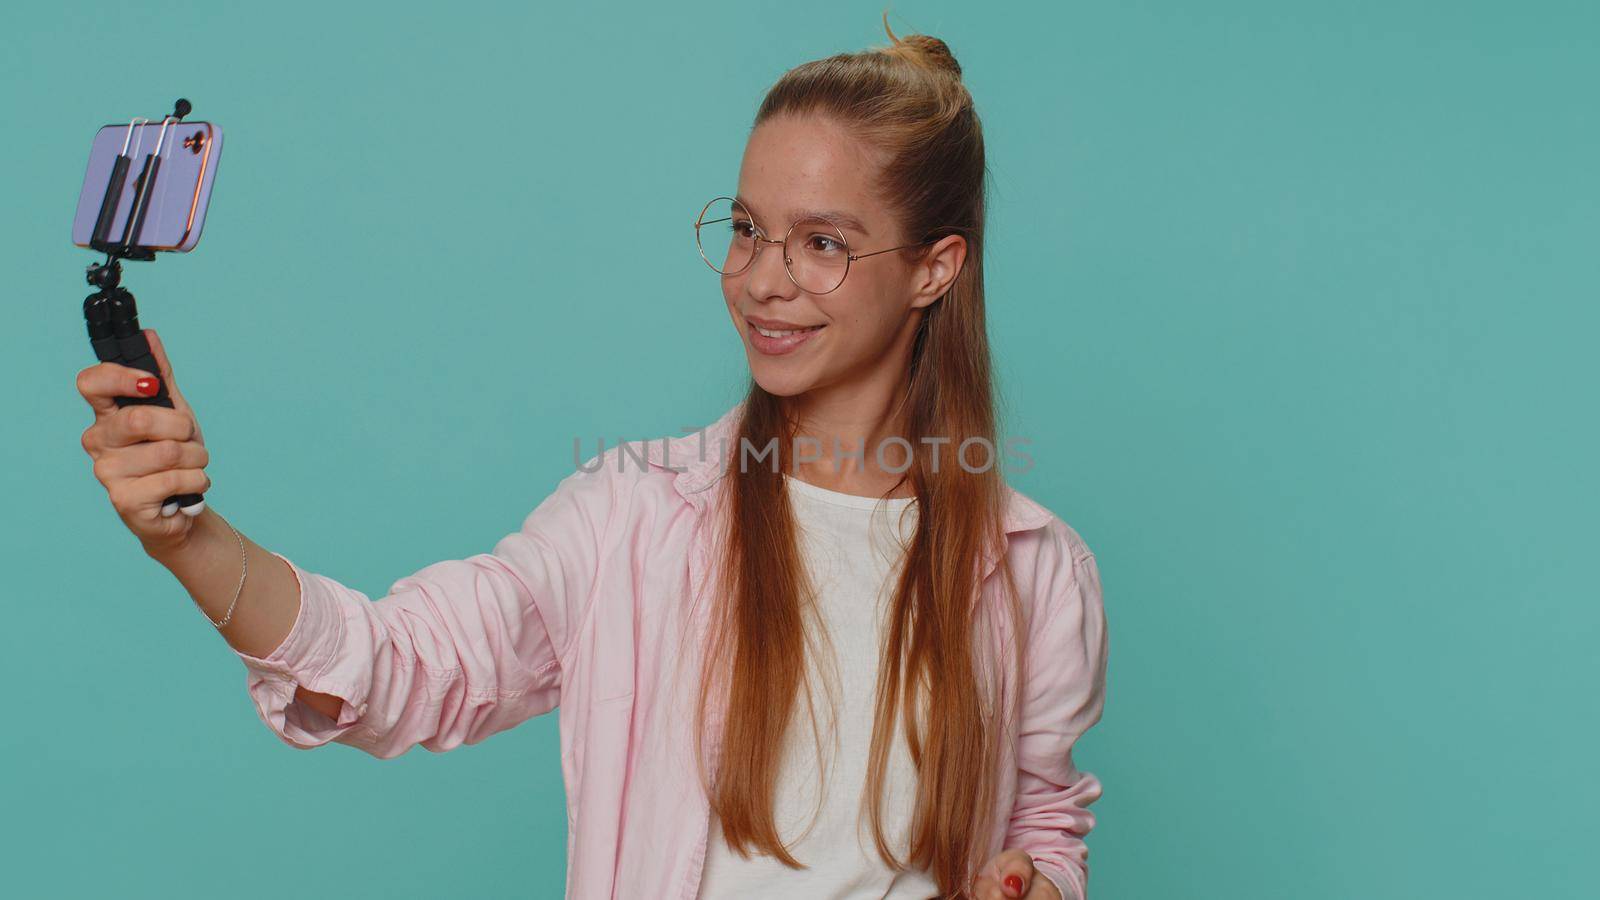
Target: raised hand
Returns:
[[144, 454]]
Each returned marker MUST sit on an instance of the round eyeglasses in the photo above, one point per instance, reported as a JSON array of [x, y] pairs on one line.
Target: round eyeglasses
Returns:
[[729, 240]]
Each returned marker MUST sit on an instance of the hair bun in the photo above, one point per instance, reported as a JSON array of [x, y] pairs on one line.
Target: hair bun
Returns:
[[936, 51], [923, 48]]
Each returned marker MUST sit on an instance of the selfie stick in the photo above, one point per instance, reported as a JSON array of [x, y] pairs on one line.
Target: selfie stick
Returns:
[[112, 315]]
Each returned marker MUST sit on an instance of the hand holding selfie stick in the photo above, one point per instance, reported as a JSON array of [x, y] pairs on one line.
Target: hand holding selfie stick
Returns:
[[110, 312]]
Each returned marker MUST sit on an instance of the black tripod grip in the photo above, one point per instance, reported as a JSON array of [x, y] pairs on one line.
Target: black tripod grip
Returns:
[[115, 335], [136, 353]]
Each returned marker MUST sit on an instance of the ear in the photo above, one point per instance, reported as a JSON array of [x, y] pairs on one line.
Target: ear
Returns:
[[938, 270]]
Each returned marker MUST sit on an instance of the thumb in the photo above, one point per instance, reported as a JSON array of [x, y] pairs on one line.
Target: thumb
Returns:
[[160, 353], [1013, 871]]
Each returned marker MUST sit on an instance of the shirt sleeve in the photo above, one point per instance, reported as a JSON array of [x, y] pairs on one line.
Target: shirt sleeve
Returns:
[[1063, 698], [454, 653]]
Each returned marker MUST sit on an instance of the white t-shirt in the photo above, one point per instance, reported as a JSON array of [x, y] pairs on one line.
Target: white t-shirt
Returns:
[[853, 551]]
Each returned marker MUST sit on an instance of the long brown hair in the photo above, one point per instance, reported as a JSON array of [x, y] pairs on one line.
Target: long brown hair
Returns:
[[907, 101]]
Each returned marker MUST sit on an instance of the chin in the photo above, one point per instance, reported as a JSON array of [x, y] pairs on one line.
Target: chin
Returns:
[[781, 384]]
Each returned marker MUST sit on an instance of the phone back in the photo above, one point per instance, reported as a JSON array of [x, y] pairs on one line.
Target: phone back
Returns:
[[176, 209]]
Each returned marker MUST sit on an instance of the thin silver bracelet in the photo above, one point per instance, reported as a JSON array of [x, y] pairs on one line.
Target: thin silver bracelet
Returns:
[[244, 569]]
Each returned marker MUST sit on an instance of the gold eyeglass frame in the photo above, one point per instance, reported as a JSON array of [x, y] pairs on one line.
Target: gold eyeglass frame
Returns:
[[761, 238]]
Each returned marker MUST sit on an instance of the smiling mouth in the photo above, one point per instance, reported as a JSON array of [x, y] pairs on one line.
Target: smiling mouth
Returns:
[[772, 333], [779, 341]]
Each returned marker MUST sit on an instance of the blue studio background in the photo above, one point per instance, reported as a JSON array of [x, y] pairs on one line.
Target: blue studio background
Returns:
[[1296, 302]]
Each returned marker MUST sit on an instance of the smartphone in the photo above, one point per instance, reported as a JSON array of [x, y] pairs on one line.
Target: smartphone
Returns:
[[175, 209]]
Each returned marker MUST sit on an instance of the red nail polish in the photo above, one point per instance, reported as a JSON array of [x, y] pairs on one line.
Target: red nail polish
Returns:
[[1014, 885], [147, 386]]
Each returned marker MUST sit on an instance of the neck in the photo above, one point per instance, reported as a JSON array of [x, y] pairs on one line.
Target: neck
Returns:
[[846, 442]]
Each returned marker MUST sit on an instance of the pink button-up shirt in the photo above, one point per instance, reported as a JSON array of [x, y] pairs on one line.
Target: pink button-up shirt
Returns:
[[597, 607]]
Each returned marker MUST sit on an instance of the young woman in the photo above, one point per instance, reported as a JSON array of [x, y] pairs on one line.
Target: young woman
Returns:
[[819, 649]]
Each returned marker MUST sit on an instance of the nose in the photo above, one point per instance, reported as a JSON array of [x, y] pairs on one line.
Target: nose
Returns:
[[768, 277]]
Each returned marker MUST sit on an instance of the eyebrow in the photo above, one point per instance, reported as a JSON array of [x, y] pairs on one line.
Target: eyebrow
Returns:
[[838, 217]]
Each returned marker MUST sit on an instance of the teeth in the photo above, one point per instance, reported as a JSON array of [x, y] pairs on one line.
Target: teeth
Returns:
[[778, 334]]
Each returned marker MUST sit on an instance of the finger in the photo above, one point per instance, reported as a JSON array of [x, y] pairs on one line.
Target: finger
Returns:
[[158, 350], [1016, 873], [161, 529], [160, 353], [1008, 876], [102, 382], [133, 424], [147, 457], [142, 498]]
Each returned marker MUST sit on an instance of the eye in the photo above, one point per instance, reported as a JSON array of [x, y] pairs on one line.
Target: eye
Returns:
[[742, 229], [822, 243]]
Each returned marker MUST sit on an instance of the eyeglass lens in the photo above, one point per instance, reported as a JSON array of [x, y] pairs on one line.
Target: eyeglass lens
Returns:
[[814, 250]]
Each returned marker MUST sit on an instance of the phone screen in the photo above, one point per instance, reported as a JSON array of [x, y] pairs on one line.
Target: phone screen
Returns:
[[175, 211]]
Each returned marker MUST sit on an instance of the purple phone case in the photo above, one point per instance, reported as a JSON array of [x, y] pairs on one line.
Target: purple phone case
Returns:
[[176, 209]]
